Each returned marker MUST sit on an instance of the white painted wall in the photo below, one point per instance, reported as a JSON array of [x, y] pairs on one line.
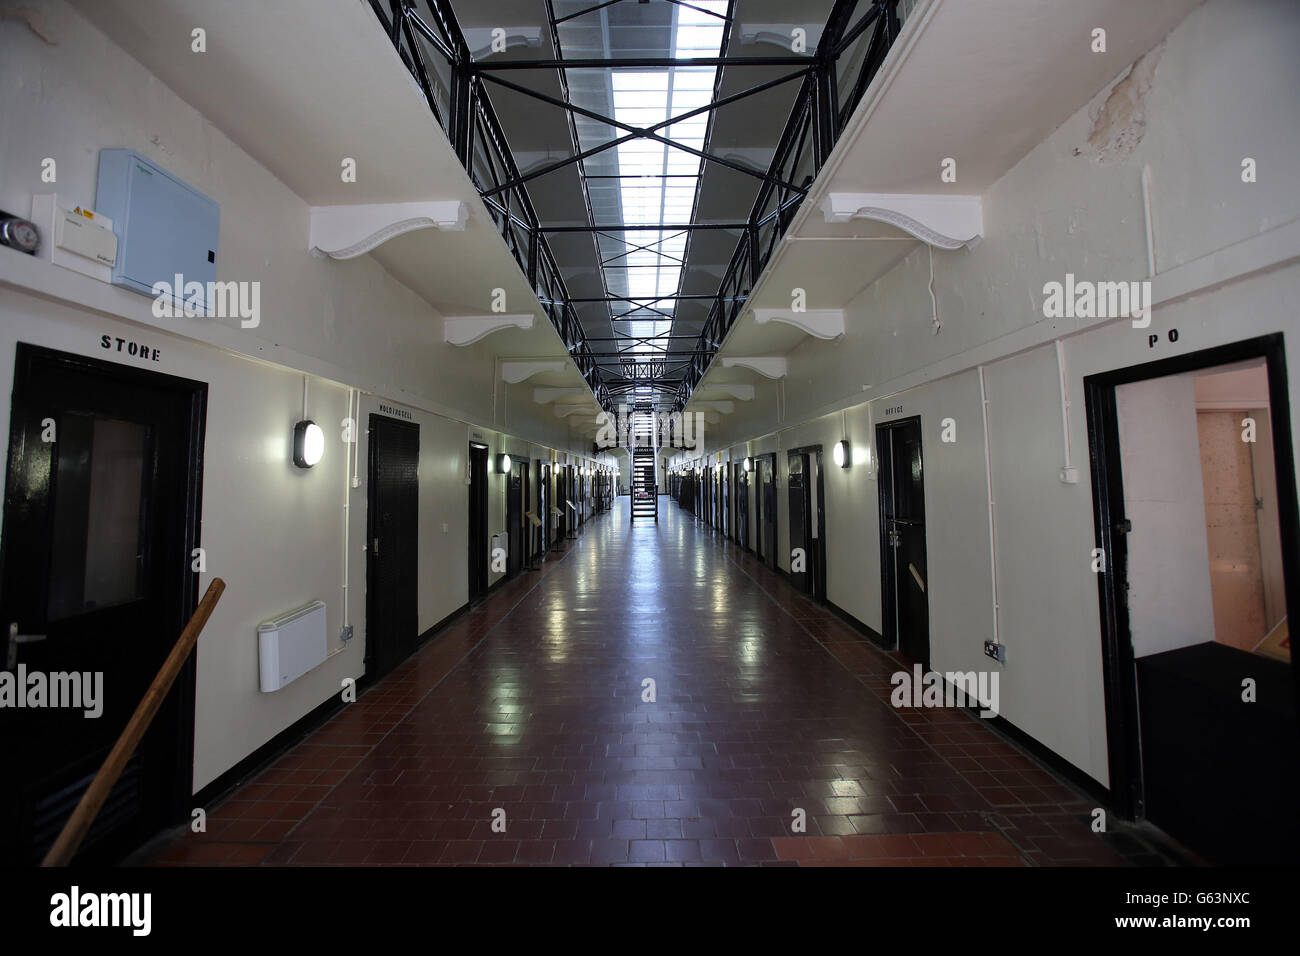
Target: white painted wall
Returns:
[[1169, 600], [1225, 88]]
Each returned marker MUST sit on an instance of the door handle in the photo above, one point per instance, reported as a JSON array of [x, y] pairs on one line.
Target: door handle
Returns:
[[11, 657], [375, 552]]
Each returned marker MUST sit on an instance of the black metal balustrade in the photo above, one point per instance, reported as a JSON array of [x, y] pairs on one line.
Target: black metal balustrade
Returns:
[[832, 81]]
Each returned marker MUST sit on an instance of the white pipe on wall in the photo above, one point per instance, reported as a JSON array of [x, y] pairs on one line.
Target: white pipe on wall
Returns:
[[1146, 215], [1065, 401], [988, 477]]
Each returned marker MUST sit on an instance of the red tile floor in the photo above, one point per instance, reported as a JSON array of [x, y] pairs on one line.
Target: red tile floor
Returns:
[[765, 703]]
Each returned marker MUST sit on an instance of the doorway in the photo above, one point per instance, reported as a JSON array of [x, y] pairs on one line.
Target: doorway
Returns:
[[392, 624], [727, 520], [516, 483], [1195, 518], [905, 607], [807, 520], [543, 503], [742, 506], [765, 500], [478, 521], [101, 515]]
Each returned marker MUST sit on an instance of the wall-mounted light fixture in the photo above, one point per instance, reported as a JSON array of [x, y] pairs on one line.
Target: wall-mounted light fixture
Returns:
[[503, 464], [749, 464], [308, 443], [841, 453]]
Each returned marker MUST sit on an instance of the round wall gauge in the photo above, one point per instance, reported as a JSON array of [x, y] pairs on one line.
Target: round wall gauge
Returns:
[[18, 233]]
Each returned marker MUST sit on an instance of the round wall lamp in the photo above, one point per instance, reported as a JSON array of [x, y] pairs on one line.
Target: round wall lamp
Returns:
[[841, 453], [749, 464], [503, 464], [308, 443]]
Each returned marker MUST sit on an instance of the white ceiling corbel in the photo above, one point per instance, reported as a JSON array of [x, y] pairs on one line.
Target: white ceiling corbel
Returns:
[[819, 323], [544, 396], [738, 390], [467, 329], [771, 367], [945, 222], [515, 371], [345, 232], [725, 407]]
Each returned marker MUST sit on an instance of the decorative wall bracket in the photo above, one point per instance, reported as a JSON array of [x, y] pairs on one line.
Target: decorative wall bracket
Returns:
[[725, 407], [735, 389], [467, 329], [564, 411], [543, 396], [516, 371], [345, 232], [945, 222], [771, 367], [819, 323]]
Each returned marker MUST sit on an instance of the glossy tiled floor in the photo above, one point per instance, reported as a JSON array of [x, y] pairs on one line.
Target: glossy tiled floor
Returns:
[[764, 704]]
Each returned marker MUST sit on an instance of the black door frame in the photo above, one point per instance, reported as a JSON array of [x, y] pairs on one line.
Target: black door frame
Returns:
[[377, 659], [819, 572], [478, 531], [1119, 673], [889, 596], [760, 513], [179, 706]]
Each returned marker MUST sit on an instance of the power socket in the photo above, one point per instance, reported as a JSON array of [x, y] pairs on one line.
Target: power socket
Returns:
[[996, 651]]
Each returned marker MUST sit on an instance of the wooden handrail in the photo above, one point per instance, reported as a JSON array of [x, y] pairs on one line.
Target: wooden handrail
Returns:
[[78, 825]]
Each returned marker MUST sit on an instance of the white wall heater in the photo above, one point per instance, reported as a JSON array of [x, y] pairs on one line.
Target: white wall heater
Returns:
[[291, 645]]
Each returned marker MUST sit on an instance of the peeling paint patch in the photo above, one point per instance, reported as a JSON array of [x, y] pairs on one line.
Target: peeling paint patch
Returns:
[[31, 16], [1120, 123]]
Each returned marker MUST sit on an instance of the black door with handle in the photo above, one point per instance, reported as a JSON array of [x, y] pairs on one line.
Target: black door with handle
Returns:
[[767, 509], [742, 506], [392, 568], [905, 607], [101, 520], [478, 521], [514, 520], [802, 559]]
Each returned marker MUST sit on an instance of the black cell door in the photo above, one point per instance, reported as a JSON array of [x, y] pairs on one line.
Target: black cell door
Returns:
[[802, 560], [726, 501], [478, 521], [392, 623], [561, 519], [906, 610], [767, 510], [543, 508], [101, 517], [742, 506], [514, 521]]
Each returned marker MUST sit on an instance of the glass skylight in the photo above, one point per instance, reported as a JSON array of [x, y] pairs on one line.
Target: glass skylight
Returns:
[[659, 181]]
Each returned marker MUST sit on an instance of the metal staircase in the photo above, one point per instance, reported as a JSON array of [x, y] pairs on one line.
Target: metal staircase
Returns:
[[642, 439]]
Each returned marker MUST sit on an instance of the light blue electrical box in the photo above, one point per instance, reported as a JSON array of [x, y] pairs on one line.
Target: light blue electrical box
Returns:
[[165, 229]]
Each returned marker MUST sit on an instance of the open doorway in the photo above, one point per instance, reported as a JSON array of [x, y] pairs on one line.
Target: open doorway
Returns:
[[1195, 512]]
